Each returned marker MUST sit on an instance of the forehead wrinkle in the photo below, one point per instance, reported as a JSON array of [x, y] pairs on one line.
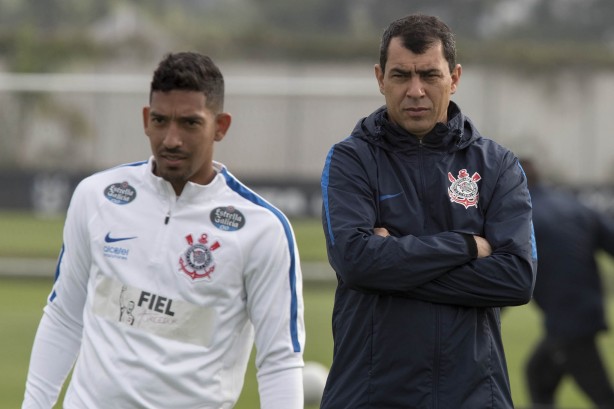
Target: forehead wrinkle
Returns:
[[400, 56], [414, 69]]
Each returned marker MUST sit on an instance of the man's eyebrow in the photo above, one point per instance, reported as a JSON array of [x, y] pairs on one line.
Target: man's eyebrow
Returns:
[[156, 114], [195, 118], [425, 71], [400, 71], [188, 117]]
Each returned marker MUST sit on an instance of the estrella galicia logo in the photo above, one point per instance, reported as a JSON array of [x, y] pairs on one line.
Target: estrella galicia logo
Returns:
[[120, 193], [227, 218]]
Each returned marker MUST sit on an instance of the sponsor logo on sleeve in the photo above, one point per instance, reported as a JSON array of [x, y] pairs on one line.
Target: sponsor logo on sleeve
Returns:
[[227, 218], [120, 193]]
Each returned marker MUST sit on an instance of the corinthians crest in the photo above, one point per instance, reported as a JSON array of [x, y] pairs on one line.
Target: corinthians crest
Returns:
[[464, 190], [197, 261]]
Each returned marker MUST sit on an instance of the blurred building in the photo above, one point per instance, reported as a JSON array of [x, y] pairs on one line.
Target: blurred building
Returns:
[[287, 116]]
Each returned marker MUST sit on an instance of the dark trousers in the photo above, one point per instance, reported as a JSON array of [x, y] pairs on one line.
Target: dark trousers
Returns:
[[578, 358]]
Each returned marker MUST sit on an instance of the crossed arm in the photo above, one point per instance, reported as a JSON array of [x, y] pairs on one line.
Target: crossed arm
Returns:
[[484, 248]]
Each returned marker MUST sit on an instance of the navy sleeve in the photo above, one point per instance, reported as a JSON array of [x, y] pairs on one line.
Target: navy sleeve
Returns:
[[368, 262], [605, 235], [507, 277]]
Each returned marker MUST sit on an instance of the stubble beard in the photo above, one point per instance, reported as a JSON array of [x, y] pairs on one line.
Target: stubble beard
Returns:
[[175, 176]]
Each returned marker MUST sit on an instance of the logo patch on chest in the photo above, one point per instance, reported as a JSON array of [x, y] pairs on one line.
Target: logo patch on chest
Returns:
[[120, 193], [197, 261], [464, 189], [227, 218]]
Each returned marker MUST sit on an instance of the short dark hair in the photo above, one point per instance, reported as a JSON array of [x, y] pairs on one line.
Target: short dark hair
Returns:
[[418, 33], [190, 71]]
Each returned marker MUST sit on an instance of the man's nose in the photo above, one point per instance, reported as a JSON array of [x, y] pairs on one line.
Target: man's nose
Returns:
[[172, 139], [415, 88]]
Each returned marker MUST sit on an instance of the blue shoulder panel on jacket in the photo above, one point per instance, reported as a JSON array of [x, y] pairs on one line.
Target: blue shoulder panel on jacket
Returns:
[[324, 184], [57, 272]]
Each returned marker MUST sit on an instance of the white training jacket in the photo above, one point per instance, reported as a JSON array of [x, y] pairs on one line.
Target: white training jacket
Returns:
[[160, 298]]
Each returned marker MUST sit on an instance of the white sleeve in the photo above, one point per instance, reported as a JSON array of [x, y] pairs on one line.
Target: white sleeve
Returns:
[[58, 337], [275, 307], [53, 355], [281, 390]]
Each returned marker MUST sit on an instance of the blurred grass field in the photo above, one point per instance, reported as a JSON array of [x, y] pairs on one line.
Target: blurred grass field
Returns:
[[22, 300]]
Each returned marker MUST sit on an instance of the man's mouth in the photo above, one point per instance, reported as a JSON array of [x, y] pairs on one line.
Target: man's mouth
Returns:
[[172, 159], [416, 112]]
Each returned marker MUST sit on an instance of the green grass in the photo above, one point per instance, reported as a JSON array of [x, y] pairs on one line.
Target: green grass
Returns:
[[24, 235], [21, 302], [310, 239]]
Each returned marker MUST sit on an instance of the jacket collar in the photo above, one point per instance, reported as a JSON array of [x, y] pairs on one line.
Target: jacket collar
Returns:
[[378, 129], [191, 191]]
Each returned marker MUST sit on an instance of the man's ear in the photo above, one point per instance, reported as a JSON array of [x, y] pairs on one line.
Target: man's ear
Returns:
[[145, 118], [456, 74], [222, 123], [379, 75]]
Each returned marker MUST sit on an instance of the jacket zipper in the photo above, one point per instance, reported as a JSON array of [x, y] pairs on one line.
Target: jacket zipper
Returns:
[[436, 357], [171, 205], [422, 184], [160, 241], [437, 343]]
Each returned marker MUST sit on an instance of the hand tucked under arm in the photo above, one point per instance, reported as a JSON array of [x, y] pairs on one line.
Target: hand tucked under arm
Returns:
[[381, 231], [484, 248]]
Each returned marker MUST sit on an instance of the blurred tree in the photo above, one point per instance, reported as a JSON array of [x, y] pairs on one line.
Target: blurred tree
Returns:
[[45, 36], [307, 15], [570, 20], [51, 35]]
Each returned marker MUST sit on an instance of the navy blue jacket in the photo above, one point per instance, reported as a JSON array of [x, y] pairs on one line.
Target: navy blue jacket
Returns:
[[568, 287], [416, 320]]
